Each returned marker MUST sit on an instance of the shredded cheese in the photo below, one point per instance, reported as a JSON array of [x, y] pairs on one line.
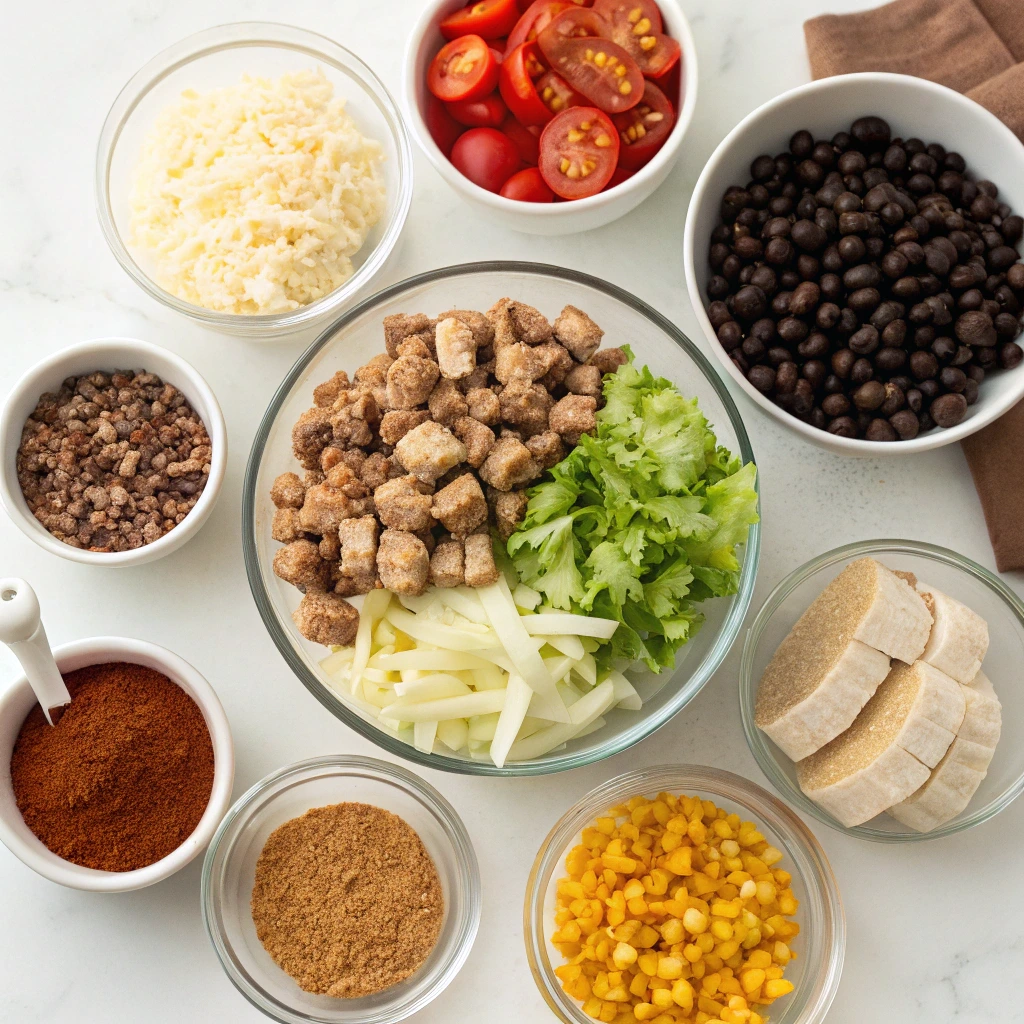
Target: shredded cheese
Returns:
[[253, 198]]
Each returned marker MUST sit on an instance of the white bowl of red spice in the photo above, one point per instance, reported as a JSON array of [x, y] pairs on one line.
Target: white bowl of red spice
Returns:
[[132, 486], [151, 768], [360, 862]]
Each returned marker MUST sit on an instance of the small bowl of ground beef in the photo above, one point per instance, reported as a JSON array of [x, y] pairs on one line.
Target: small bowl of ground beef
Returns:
[[113, 452]]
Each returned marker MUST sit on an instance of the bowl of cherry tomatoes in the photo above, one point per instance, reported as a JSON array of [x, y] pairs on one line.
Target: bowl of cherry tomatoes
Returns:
[[551, 116]]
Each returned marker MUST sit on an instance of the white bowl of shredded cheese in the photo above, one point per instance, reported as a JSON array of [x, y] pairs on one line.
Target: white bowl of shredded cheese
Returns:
[[254, 177]]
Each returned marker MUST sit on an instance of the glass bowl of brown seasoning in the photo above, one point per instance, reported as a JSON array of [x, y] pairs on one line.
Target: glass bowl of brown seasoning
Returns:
[[342, 890]]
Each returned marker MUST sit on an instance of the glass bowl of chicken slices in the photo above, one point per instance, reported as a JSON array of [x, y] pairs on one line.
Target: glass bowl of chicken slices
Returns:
[[502, 519]]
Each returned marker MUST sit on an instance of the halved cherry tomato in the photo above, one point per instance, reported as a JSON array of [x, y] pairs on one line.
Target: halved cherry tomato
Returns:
[[574, 23], [599, 69], [526, 140], [636, 26], [486, 113], [535, 18], [671, 84], [464, 69], [557, 94], [518, 71], [578, 152], [488, 19], [528, 186], [486, 157], [499, 54], [618, 177], [443, 128], [644, 128]]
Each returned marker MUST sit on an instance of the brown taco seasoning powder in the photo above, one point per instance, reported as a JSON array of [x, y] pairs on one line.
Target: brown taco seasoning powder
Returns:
[[347, 900], [124, 776]]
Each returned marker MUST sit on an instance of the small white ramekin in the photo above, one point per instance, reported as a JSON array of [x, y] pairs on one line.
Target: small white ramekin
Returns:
[[108, 354], [913, 107], [545, 218], [17, 701]]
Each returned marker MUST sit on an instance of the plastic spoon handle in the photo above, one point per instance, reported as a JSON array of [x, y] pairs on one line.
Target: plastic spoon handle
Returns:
[[21, 629]]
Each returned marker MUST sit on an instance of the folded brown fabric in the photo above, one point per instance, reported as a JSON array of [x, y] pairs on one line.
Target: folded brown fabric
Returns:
[[975, 47]]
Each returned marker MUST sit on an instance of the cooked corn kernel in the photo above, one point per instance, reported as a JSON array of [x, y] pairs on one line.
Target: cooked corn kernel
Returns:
[[672, 912]]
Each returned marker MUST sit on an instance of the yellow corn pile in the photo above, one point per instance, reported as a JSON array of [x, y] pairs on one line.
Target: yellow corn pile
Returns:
[[672, 912]]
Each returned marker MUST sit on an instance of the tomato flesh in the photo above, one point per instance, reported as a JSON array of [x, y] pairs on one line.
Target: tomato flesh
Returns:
[[486, 113], [557, 94], [488, 19], [518, 71], [443, 128], [534, 20], [636, 26], [574, 23], [528, 186], [464, 69], [579, 150], [644, 128], [486, 157], [526, 140], [600, 70]]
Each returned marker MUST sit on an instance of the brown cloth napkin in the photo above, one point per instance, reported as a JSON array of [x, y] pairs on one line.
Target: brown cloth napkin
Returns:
[[975, 47]]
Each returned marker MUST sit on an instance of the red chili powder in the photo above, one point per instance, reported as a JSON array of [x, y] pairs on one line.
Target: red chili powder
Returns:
[[123, 778]]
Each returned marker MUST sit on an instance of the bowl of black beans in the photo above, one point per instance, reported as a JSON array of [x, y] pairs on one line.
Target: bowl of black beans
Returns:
[[852, 253]]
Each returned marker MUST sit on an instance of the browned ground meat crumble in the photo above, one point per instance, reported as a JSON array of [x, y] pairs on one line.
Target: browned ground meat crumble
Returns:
[[409, 465]]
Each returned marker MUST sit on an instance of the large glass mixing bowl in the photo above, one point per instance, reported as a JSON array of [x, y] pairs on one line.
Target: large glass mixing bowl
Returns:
[[357, 336]]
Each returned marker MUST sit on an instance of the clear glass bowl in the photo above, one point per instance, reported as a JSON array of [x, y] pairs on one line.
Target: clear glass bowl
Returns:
[[230, 865], [218, 57], [951, 573], [821, 944], [356, 337]]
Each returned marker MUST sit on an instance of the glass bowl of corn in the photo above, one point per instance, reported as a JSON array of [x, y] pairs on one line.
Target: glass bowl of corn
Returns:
[[682, 893]]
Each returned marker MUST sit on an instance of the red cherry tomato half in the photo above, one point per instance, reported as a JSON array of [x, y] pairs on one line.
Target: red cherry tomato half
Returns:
[[528, 186], [499, 55], [488, 19], [557, 94], [443, 128], [644, 128], [526, 140], [671, 84], [535, 18], [486, 157], [574, 23], [486, 113], [636, 26], [578, 152], [518, 71], [464, 69], [618, 177], [599, 69]]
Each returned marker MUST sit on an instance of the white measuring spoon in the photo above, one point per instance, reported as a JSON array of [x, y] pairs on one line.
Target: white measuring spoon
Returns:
[[21, 629]]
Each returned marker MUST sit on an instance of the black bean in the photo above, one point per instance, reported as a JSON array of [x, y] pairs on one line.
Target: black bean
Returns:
[[915, 399], [763, 330], [762, 377], [814, 346], [864, 341], [923, 365], [971, 392], [863, 300], [890, 359], [778, 251], [801, 145], [730, 334], [952, 378], [851, 249], [718, 314], [832, 385], [948, 410], [843, 426], [807, 235], [864, 275], [846, 202], [895, 159], [762, 168], [895, 399], [871, 132], [880, 430], [777, 355], [870, 395], [862, 371], [1010, 355], [842, 362], [749, 303], [827, 315], [791, 330], [1013, 228], [944, 348], [753, 349], [831, 286], [835, 405], [764, 278], [803, 397], [975, 328], [786, 377], [906, 424]]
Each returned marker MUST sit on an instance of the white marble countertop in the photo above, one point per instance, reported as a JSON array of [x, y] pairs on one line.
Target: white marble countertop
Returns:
[[930, 939]]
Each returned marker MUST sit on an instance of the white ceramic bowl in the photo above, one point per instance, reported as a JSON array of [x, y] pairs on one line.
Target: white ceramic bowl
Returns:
[[545, 218], [217, 57], [17, 701], [109, 354], [913, 107]]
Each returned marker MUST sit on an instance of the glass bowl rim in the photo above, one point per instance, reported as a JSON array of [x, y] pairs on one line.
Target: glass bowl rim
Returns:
[[702, 780], [757, 741], [442, 762], [240, 35], [463, 853]]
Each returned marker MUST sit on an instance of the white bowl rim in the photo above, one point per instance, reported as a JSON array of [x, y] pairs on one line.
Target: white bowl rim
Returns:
[[540, 211], [10, 491], [75, 876], [231, 35], [987, 411]]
